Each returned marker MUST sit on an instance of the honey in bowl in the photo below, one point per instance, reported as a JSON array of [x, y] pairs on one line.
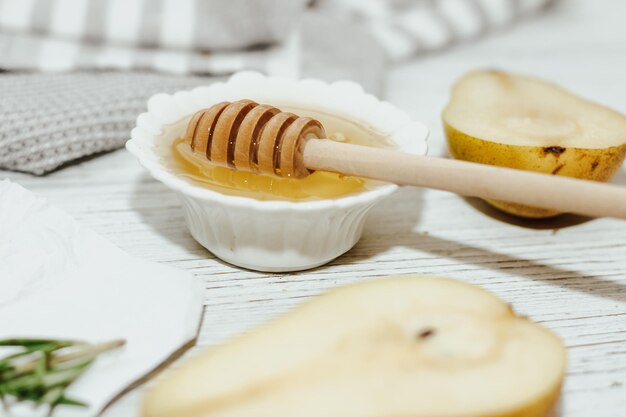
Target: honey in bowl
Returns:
[[194, 167]]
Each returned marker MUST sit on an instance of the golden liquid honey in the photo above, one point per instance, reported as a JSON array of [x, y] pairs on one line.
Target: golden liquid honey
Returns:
[[196, 168]]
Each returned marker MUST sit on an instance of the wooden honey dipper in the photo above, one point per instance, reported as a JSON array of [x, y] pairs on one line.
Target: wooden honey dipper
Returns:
[[253, 137]]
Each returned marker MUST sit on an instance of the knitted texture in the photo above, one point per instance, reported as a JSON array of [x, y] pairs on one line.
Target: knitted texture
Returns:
[[48, 120]]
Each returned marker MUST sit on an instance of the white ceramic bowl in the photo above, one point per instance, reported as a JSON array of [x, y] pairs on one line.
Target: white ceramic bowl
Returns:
[[274, 236]]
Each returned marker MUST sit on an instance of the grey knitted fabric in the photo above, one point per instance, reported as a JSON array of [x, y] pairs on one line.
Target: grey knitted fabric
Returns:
[[47, 120]]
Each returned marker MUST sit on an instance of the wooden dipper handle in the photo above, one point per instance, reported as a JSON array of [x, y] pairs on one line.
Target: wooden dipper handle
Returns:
[[258, 138], [564, 194]]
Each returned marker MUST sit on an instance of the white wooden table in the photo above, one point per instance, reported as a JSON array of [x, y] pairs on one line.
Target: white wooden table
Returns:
[[568, 274]]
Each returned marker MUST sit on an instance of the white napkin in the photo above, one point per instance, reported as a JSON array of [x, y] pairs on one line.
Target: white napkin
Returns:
[[59, 279]]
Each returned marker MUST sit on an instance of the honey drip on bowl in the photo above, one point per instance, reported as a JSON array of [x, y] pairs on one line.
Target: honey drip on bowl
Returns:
[[194, 167]]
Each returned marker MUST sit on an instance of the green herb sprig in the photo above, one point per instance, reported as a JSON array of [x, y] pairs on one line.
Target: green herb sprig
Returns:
[[42, 369]]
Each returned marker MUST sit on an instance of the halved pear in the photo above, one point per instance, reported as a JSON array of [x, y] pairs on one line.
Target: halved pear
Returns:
[[411, 346], [525, 123]]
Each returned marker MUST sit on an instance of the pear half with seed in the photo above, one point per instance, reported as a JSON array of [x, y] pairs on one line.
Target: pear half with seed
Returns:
[[401, 346], [525, 123]]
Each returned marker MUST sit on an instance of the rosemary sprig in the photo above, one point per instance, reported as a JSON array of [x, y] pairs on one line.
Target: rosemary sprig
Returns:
[[42, 370]]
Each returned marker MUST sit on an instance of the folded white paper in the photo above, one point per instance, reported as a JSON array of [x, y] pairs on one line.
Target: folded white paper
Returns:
[[59, 279]]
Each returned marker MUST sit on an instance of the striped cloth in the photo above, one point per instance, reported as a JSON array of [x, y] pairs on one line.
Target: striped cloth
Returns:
[[176, 36], [405, 28], [79, 114], [219, 37]]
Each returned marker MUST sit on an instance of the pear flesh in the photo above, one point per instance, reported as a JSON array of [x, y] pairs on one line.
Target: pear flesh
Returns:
[[402, 346], [521, 122]]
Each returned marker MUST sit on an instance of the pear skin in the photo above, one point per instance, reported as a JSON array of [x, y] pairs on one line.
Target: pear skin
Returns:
[[522, 122], [588, 164]]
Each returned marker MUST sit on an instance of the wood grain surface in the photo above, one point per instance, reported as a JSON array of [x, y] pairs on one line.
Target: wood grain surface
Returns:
[[568, 274]]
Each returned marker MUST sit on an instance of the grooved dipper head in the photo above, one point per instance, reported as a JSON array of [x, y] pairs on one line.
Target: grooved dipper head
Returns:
[[253, 137]]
